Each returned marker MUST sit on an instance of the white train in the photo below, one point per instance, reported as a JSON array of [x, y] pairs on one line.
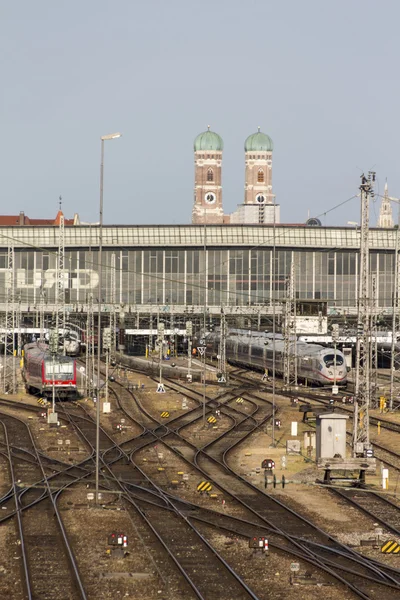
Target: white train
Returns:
[[315, 364], [72, 343]]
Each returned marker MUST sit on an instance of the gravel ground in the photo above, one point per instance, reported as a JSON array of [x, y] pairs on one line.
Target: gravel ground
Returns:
[[154, 575], [10, 574], [145, 572], [269, 577]]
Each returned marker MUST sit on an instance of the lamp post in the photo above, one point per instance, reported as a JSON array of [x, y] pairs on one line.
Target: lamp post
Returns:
[[103, 138]]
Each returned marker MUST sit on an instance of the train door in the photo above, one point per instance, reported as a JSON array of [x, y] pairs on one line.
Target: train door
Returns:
[[348, 354]]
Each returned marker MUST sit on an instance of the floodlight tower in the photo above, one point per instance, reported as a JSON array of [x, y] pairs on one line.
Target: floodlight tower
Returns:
[[290, 358], [9, 381], [362, 385]]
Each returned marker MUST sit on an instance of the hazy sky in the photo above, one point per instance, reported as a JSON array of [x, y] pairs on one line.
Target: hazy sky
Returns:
[[321, 78]]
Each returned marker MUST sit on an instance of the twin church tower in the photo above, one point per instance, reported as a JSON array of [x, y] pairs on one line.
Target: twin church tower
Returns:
[[258, 206]]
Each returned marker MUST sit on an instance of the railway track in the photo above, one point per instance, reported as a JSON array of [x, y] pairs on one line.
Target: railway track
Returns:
[[44, 545], [378, 507], [192, 555], [394, 581], [131, 478]]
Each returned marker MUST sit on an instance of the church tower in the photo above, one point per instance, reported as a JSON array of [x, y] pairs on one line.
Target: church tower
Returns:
[[258, 175], [385, 213], [208, 147]]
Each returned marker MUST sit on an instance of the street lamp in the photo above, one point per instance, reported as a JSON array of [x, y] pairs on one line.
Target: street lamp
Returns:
[[111, 136]]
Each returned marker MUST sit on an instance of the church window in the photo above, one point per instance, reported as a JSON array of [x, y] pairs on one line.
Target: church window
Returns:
[[210, 175], [260, 176]]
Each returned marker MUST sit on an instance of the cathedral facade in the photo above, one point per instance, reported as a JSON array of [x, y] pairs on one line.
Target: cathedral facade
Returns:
[[259, 204]]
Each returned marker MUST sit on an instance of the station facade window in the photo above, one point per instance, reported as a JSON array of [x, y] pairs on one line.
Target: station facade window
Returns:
[[224, 275]]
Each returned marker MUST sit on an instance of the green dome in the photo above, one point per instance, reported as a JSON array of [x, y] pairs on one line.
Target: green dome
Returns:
[[208, 140], [258, 142]]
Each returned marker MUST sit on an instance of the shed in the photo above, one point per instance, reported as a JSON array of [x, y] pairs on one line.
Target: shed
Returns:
[[331, 435]]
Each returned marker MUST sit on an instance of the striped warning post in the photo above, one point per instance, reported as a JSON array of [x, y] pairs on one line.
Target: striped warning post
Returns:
[[211, 420], [42, 401], [239, 401], [165, 414], [204, 486], [390, 547]]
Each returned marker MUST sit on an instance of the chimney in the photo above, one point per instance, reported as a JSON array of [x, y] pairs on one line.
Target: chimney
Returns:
[[22, 218]]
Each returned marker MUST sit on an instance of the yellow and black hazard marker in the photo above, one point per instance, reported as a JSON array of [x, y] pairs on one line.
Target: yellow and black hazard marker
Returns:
[[204, 486], [165, 414], [390, 547], [211, 419], [42, 401], [239, 401]]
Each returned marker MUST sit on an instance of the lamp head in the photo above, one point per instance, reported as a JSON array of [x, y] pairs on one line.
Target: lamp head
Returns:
[[111, 136]]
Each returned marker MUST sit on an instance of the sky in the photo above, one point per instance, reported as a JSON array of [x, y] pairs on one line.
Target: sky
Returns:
[[321, 78]]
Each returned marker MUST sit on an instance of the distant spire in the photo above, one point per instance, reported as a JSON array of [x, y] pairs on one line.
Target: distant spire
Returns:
[[60, 201], [259, 128], [208, 127], [385, 219]]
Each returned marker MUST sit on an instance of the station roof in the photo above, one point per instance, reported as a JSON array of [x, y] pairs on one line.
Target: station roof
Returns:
[[257, 237]]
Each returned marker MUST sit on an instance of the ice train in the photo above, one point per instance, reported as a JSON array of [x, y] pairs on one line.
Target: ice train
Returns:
[[257, 350]]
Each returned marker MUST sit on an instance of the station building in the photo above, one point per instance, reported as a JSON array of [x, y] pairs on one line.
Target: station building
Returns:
[[184, 267], [240, 263]]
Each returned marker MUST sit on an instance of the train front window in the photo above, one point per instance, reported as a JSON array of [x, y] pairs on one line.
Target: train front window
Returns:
[[329, 360], [60, 370]]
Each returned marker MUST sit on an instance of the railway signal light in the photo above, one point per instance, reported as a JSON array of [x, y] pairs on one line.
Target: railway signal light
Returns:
[[259, 543], [118, 539], [268, 463], [106, 338]]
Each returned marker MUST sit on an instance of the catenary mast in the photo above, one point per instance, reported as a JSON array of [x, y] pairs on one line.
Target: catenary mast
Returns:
[[363, 353], [290, 358], [9, 382]]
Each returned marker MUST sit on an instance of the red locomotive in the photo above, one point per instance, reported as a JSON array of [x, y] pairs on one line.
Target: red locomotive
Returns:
[[42, 370]]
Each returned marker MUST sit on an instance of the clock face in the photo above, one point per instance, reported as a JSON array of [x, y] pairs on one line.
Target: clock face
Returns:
[[260, 198], [210, 197]]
